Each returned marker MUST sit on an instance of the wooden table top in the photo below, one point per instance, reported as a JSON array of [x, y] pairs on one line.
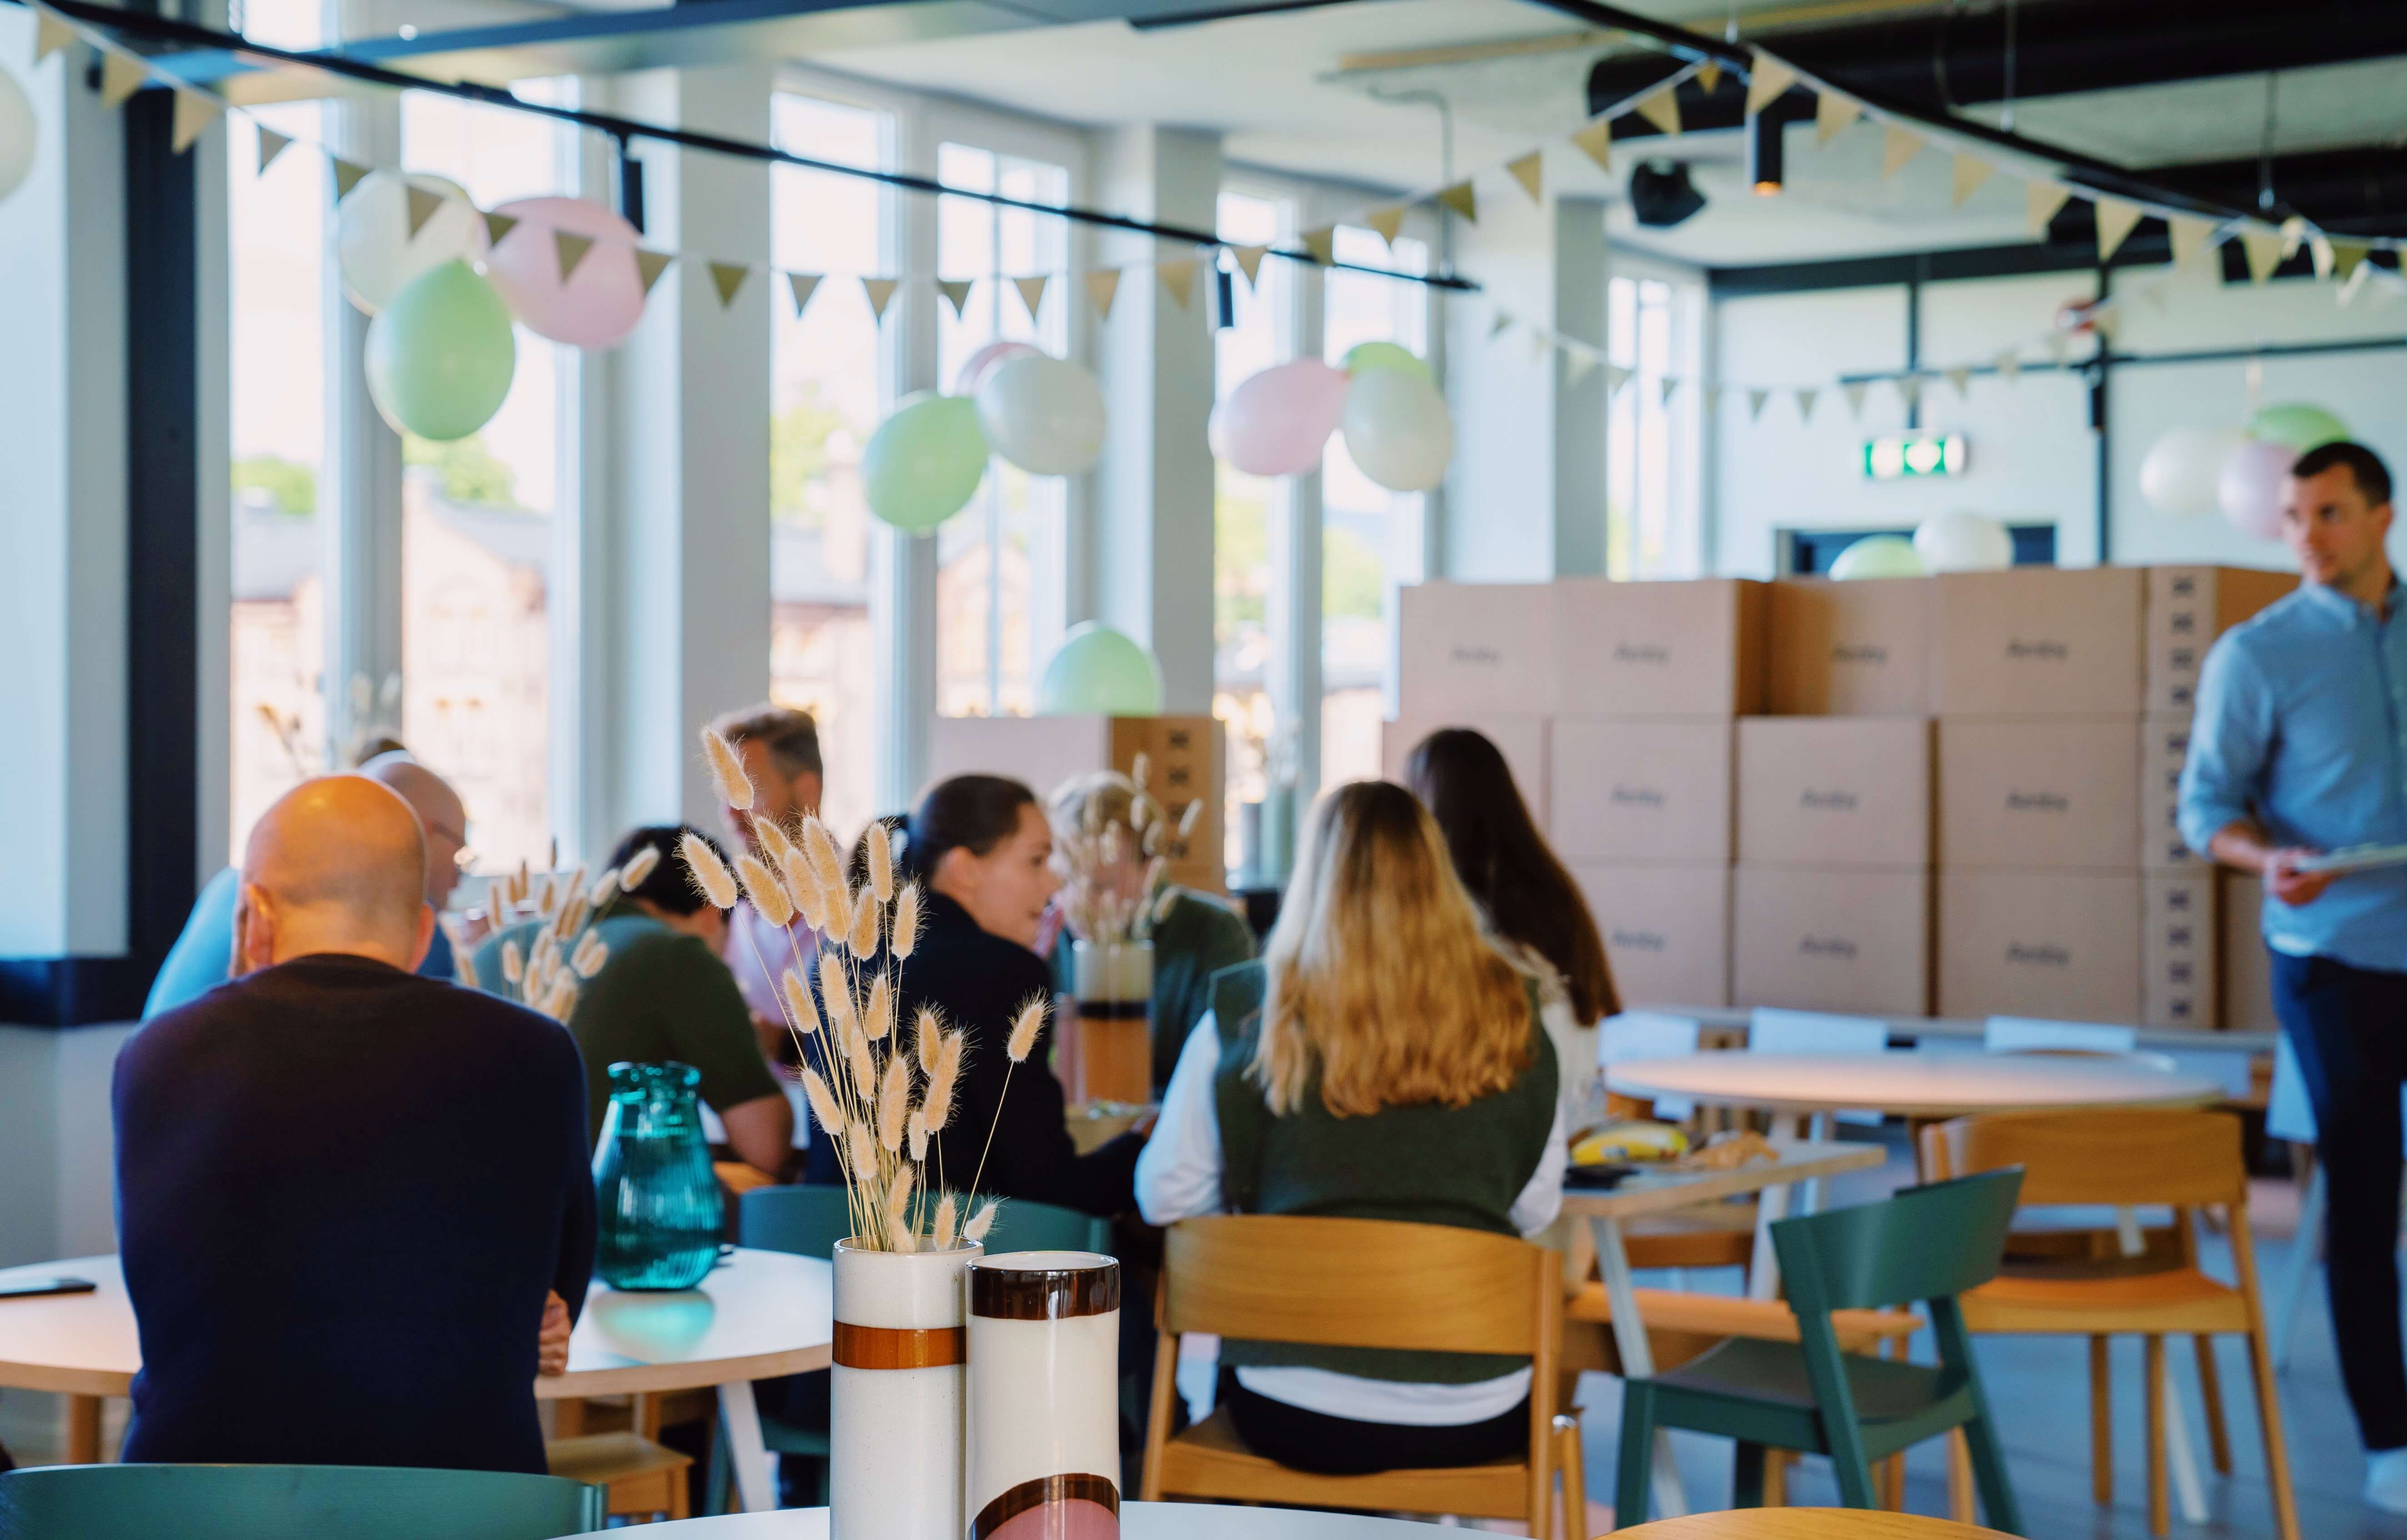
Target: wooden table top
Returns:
[[1806, 1524], [1138, 1521], [1943, 1085], [759, 1314], [1654, 1191]]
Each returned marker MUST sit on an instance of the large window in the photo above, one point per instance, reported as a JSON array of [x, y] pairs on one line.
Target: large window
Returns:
[[988, 557], [1243, 566], [825, 401], [1643, 427]]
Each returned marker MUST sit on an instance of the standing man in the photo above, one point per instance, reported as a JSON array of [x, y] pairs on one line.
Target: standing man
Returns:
[[2300, 747], [780, 750]]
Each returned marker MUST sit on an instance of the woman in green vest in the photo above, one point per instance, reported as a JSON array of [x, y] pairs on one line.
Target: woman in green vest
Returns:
[[1384, 1060]]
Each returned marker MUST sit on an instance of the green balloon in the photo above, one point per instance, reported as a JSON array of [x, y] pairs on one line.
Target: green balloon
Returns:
[[1386, 355], [1100, 673], [1878, 556], [924, 463], [2296, 425], [441, 354]]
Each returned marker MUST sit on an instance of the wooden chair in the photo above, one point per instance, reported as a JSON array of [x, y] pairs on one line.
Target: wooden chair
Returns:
[[1370, 1283], [2184, 1160], [642, 1480]]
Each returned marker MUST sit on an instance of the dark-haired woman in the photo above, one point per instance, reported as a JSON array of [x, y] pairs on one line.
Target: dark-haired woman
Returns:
[[1528, 898], [981, 848]]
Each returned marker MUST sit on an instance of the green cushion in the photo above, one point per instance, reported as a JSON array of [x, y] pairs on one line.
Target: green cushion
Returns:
[[292, 1502]]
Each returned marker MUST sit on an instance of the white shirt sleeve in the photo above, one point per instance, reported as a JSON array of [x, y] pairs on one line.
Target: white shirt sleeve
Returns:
[[1541, 1199], [1178, 1171]]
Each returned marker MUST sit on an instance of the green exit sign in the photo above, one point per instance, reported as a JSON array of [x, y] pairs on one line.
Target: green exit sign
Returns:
[[1894, 457]]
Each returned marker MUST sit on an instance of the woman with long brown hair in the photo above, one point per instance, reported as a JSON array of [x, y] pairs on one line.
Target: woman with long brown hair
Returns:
[[1384, 1060]]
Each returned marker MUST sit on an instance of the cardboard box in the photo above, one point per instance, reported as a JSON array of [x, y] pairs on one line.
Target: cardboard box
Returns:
[[2039, 642], [1521, 739], [2164, 748], [1477, 647], [1660, 649], [1832, 939], [1848, 649], [1628, 790], [2247, 962], [1834, 791], [2040, 793], [1666, 930], [1187, 763], [2059, 944], [2188, 607], [2180, 947]]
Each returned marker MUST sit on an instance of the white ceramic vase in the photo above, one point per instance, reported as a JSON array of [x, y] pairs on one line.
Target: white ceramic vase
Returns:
[[896, 1395], [1043, 1397]]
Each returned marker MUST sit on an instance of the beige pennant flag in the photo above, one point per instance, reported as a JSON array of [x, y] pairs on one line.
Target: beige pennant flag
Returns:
[[1855, 394], [2117, 220], [1966, 177], [423, 204], [1770, 82], [1962, 378], [1662, 109], [881, 294], [2264, 249], [728, 278], [1178, 279], [271, 145], [1615, 377], [1102, 286], [1664, 388], [1321, 243], [2107, 323], [2059, 345], [1833, 114], [1387, 221], [121, 76], [1805, 400], [802, 285], [1754, 400], [650, 265], [957, 291], [1529, 171], [1596, 142], [570, 250], [49, 34], [2041, 200], [2346, 257], [1709, 76], [1498, 324], [1031, 292], [1540, 342], [2010, 366], [2192, 238], [1249, 261], [1578, 365], [193, 114], [1909, 389], [1461, 199], [1712, 399], [1898, 146], [347, 175], [497, 226]]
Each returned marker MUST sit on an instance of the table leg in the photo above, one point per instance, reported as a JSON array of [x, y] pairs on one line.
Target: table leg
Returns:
[[1763, 1268], [1637, 1358], [1818, 1129], [739, 1418], [83, 1430]]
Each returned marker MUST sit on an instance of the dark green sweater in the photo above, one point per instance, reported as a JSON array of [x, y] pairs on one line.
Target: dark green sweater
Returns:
[[1198, 937]]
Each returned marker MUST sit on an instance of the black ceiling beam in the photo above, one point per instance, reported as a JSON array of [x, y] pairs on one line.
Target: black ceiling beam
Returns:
[[2065, 250]]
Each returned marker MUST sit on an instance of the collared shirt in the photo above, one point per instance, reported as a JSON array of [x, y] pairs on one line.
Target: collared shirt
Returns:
[[2303, 726], [757, 954]]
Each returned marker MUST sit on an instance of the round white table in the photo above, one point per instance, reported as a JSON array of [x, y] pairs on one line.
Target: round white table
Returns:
[[757, 1315], [1917, 1085], [1138, 1521]]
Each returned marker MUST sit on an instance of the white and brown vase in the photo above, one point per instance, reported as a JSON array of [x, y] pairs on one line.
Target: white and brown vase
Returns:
[[896, 1395], [1044, 1392], [1114, 983]]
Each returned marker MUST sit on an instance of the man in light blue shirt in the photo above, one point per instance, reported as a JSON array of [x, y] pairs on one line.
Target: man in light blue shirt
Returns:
[[2300, 747]]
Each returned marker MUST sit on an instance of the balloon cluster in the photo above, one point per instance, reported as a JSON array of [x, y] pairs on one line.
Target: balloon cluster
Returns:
[[2239, 471], [1041, 413], [1384, 399], [1944, 543]]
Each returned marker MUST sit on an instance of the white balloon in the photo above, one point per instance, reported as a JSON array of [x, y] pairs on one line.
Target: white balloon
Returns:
[[1963, 542], [2181, 468], [16, 135], [373, 243], [1043, 414], [1398, 429]]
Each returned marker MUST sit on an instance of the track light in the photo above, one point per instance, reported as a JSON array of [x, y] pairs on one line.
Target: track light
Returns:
[[1763, 153]]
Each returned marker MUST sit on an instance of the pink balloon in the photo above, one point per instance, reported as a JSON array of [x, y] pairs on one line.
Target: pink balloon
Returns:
[[1276, 423], [603, 297], [985, 362], [2249, 490]]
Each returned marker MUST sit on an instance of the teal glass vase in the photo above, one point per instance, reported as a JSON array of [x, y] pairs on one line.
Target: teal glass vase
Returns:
[[658, 1201]]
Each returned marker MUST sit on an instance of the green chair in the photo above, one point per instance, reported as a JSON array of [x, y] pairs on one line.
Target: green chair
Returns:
[[291, 1502], [1927, 1244]]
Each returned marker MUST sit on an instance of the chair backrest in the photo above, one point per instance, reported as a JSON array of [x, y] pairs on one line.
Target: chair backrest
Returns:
[[292, 1502], [1645, 1035], [2130, 1158], [1021, 1225], [2022, 1034], [808, 1219], [1775, 1031], [1358, 1283], [1924, 1243]]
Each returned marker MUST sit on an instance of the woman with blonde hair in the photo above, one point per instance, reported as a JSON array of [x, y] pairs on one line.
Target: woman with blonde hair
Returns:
[[1382, 1061]]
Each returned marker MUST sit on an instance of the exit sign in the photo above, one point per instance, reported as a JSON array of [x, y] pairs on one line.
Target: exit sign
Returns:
[[1894, 457]]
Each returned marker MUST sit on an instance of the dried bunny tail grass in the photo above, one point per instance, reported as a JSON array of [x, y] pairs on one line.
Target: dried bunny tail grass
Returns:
[[572, 916], [774, 843], [861, 1153], [1024, 1028], [1162, 905], [859, 1063], [639, 865], [894, 1103], [907, 923], [823, 1103], [863, 937], [819, 848], [798, 1003], [590, 953], [914, 1131], [881, 861], [948, 1215], [1140, 770], [710, 874], [463, 965], [982, 1221], [836, 993], [768, 894], [1186, 819], [804, 883], [560, 1000], [878, 1017], [604, 887], [898, 1211], [941, 1080], [513, 963], [1114, 845], [926, 1029], [727, 769]]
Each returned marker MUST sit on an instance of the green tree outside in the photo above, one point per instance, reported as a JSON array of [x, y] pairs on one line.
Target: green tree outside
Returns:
[[470, 473], [798, 439], [292, 485]]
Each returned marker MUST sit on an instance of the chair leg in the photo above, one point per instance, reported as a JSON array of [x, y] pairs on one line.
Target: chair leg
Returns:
[[2277, 1450], [1999, 1510], [714, 1486], [2101, 1423], [2160, 1492], [1775, 1478], [1746, 1476], [2210, 1394], [1571, 1460], [1959, 1477], [1893, 1483], [1635, 1468]]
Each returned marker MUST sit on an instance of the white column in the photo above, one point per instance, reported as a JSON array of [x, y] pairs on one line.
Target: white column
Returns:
[[901, 567], [1298, 538], [1579, 279]]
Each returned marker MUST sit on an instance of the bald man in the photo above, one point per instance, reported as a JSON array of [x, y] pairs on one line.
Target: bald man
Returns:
[[204, 956], [346, 1195]]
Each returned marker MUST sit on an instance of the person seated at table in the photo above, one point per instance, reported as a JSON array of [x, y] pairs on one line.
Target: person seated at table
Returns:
[[203, 955], [982, 850], [662, 993], [779, 748], [1531, 903], [1196, 936], [349, 1201], [1384, 1060]]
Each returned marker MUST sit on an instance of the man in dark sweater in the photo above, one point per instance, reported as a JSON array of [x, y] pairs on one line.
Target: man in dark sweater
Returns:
[[350, 1201]]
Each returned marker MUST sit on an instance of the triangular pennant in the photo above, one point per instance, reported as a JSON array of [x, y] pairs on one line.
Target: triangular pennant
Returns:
[[1103, 286], [1754, 400], [1461, 199], [1962, 378], [1541, 343], [1528, 171], [2346, 256], [1249, 261], [1855, 394], [50, 35], [2192, 238], [650, 265], [1898, 146], [2010, 366], [802, 285], [2321, 246], [1712, 399], [1321, 243], [347, 175], [1615, 377], [271, 145], [1662, 109], [1966, 177], [422, 204], [1664, 388], [1031, 292], [570, 250], [1832, 113], [194, 112], [2264, 249], [1709, 77], [121, 76], [957, 291], [2117, 220], [1596, 142], [1578, 365], [1497, 327], [1770, 82], [1805, 400], [2356, 281], [882, 293], [2294, 235], [728, 277], [2059, 345], [1178, 280], [497, 226], [2041, 200], [2107, 321], [1387, 221], [1909, 389]]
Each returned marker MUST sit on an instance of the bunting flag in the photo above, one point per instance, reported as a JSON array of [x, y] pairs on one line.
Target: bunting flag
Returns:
[[1663, 388], [194, 113], [1962, 378], [1323, 243], [2192, 238], [1898, 146], [728, 277], [1805, 400], [2059, 346], [1771, 82], [1249, 262], [49, 34], [956, 291], [1754, 400], [347, 175], [1662, 109], [422, 205], [804, 286], [1712, 398], [2117, 220], [880, 292], [499, 225], [1461, 199], [1855, 394], [1031, 292], [1909, 389], [1178, 280], [1541, 344], [2010, 366], [650, 265], [569, 249], [1581, 363], [1615, 378], [2346, 258], [1966, 177], [1709, 77], [1103, 286], [121, 76], [2041, 200], [1387, 221], [1528, 171], [1496, 325], [2264, 249], [1596, 142], [1833, 114], [271, 145]]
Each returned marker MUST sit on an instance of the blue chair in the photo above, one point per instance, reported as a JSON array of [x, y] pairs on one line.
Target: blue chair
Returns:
[[291, 1502]]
